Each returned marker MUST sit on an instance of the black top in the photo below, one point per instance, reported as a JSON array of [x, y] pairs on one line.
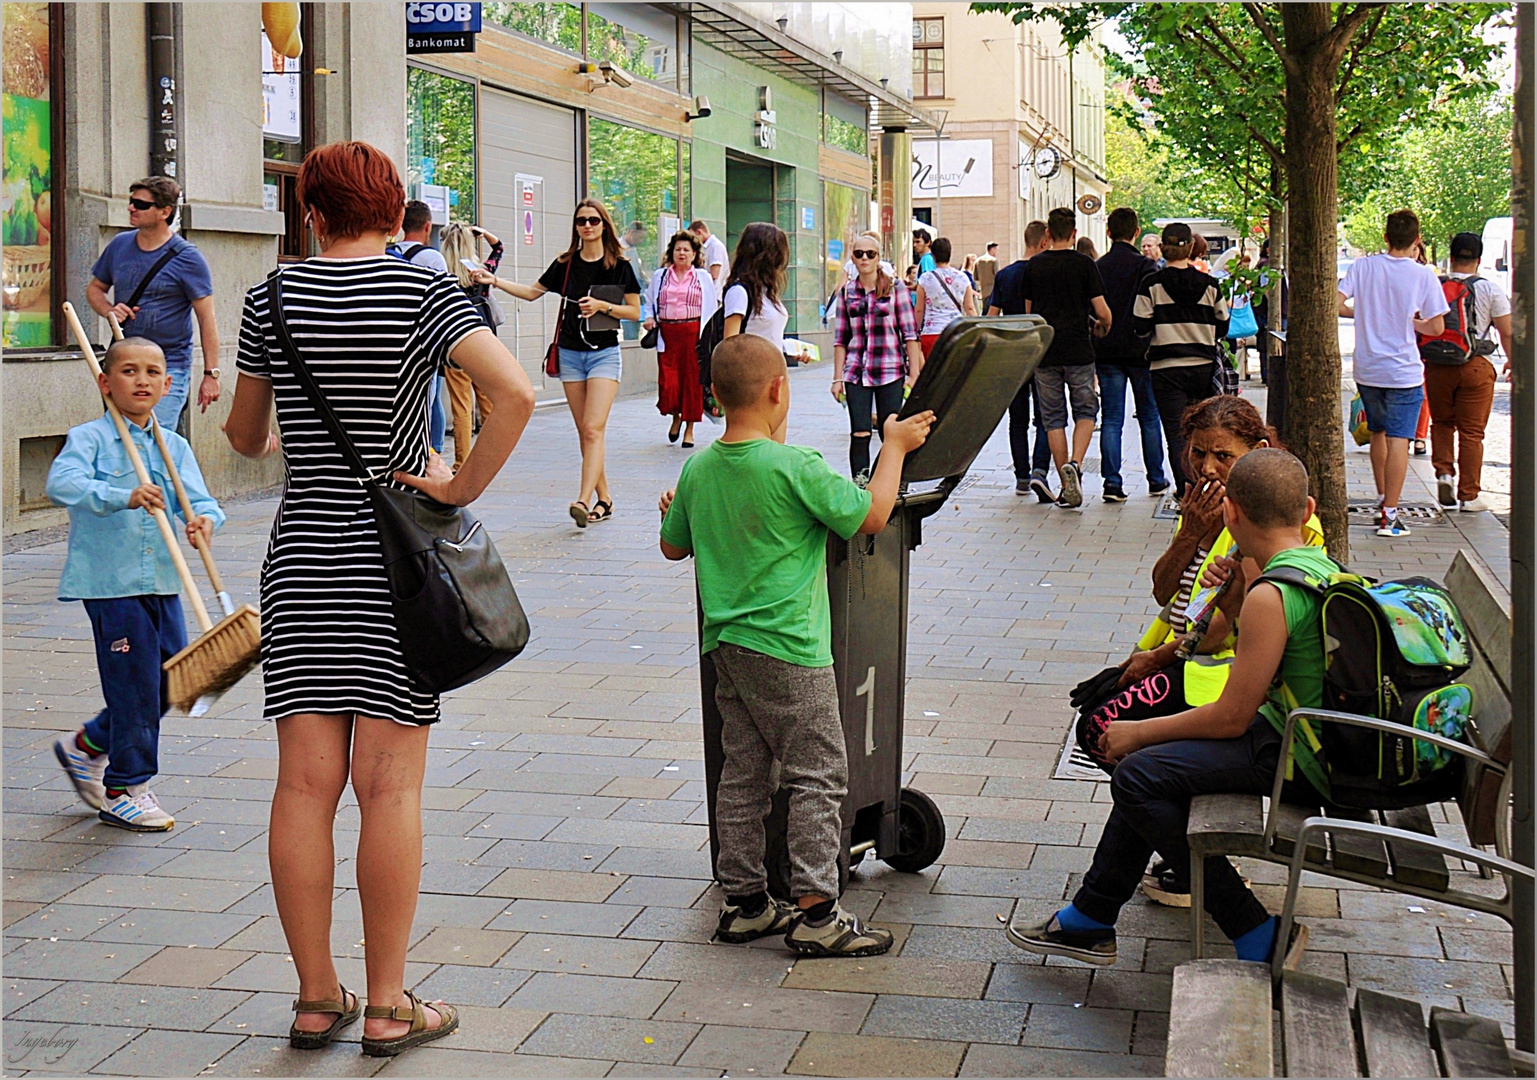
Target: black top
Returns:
[[584, 275], [1059, 285], [1121, 269], [1006, 285]]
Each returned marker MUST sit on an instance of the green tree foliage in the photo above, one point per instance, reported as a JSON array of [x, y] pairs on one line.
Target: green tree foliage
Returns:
[[440, 125], [1452, 169], [557, 23]]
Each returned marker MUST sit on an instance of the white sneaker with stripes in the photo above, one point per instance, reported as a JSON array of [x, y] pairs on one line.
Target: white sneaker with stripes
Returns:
[[84, 771], [137, 810]]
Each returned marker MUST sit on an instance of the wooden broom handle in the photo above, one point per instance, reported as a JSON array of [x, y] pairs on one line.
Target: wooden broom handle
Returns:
[[181, 491], [166, 532]]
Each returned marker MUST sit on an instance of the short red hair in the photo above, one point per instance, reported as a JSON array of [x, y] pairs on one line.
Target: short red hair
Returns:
[[354, 186]]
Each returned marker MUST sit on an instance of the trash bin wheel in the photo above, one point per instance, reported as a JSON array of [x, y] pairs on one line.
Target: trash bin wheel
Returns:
[[920, 833]]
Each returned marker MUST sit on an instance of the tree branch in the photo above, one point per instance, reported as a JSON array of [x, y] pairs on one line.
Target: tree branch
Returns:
[[1359, 46], [1233, 65], [1256, 14], [1348, 24]]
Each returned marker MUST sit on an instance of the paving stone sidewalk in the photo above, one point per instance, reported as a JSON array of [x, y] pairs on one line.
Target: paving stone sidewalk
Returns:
[[567, 903]]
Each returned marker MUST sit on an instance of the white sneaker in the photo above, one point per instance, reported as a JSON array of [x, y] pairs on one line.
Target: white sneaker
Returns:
[[1446, 494], [137, 811], [1473, 506], [84, 771]]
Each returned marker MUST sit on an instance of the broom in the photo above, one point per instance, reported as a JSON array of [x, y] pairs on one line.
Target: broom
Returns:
[[223, 653]]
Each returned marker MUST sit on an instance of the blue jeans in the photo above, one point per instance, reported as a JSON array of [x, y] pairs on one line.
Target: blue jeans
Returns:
[[168, 412], [134, 636], [437, 421], [1019, 435], [1113, 379]]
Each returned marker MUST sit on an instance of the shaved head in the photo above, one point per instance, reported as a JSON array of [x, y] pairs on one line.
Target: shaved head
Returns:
[[741, 368], [1270, 486]]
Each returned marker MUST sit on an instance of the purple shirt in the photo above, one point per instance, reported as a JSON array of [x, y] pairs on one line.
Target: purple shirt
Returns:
[[874, 330]]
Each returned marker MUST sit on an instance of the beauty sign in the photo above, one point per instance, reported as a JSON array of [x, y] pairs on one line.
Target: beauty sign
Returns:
[[952, 168]]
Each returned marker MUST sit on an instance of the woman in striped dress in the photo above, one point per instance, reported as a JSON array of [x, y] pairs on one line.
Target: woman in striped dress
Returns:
[[373, 330]]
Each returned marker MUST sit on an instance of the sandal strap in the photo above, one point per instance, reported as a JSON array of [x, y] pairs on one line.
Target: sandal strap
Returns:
[[337, 1007], [414, 1014]]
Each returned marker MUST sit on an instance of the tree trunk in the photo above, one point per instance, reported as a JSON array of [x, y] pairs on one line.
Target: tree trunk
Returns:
[[1276, 306], [1314, 418]]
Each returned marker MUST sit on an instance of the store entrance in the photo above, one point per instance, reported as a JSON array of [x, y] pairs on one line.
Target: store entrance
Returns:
[[749, 196]]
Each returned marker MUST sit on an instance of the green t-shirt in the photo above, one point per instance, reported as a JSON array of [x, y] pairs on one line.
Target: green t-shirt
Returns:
[[756, 515], [1299, 682]]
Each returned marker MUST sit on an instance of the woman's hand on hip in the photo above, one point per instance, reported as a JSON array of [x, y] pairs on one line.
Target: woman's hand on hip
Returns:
[[437, 483]]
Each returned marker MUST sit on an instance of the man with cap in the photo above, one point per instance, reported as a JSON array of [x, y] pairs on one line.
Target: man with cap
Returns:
[[1461, 395]]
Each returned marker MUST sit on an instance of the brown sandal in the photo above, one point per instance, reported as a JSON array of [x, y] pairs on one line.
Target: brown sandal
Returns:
[[314, 1040], [419, 1033]]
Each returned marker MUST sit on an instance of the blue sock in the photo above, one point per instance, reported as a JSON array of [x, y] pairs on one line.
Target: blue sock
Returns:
[[1259, 943], [1075, 921]]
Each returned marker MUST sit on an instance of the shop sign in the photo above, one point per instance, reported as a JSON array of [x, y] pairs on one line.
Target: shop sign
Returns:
[[441, 28], [953, 169], [808, 218]]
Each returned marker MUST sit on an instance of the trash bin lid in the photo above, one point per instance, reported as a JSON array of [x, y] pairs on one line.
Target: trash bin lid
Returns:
[[972, 374]]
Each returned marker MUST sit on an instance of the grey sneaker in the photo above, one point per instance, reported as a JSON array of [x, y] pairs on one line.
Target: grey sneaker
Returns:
[[1049, 939], [840, 934], [737, 928], [1072, 490]]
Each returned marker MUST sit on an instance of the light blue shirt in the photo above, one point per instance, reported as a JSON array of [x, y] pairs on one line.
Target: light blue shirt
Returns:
[[115, 551]]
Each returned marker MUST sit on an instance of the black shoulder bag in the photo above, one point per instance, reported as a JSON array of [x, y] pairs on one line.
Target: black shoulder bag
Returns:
[[456, 612]]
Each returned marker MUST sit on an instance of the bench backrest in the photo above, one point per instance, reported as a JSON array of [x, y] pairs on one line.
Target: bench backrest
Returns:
[[1485, 610]]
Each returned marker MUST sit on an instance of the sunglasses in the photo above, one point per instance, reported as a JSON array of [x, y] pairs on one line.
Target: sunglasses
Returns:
[[862, 254], [141, 204], [589, 221]]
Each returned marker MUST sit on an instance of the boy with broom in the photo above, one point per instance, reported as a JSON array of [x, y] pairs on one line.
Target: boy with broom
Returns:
[[119, 567]]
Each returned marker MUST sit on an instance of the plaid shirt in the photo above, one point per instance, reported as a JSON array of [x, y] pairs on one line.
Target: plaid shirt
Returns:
[[874, 331]]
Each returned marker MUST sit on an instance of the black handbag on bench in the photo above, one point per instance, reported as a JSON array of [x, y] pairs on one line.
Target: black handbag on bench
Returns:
[[455, 609]]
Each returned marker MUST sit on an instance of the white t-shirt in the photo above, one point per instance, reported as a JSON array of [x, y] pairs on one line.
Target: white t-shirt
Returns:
[[939, 311], [768, 323], [1390, 293], [715, 255], [431, 257]]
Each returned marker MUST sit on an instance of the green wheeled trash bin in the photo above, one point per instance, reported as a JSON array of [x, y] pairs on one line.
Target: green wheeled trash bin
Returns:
[[973, 372]]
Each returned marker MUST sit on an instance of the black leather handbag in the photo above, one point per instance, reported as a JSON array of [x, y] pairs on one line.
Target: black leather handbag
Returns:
[[456, 612]]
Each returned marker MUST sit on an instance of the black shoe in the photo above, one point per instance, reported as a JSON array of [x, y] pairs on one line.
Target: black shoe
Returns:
[[1022, 487], [1049, 939], [1113, 494], [1156, 490]]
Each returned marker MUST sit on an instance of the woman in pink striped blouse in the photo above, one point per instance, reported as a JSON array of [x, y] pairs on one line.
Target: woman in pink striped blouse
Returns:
[[680, 298]]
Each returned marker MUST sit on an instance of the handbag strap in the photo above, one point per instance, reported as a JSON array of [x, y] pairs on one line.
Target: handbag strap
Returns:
[[307, 380], [173, 248], [560, 319], [943, 284]]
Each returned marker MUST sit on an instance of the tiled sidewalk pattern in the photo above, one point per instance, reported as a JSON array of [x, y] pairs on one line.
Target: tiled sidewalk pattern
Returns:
[[566, 902]]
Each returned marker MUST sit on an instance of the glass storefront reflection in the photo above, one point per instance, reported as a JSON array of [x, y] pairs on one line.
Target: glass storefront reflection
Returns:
[[635, 174]]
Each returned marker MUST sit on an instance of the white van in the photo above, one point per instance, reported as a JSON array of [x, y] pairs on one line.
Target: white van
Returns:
[[1495, 265]]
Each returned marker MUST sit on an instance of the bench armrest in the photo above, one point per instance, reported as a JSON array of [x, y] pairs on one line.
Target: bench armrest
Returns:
[[1323, 826], [1389, 727]]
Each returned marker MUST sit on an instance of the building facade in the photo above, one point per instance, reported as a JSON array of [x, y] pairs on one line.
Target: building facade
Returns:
[[80, 103], [1023, 128]]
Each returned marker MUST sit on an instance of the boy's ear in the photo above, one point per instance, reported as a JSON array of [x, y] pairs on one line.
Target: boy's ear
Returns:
[[777, 387], [1230, 513], [103, 385], [1312, 509]]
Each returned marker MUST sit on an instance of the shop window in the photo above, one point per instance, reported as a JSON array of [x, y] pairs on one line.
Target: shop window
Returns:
[[845, 214], [557, 24], [635, 175], [844, 135], [287, 94], [929, 58], [28, 222], [440, 137], [639, 38]]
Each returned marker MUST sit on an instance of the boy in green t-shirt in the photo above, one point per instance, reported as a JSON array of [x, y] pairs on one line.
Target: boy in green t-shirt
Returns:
[[755, 513], [1228, 746]]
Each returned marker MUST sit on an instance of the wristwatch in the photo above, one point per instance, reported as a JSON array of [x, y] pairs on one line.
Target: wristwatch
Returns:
[[213, 371]]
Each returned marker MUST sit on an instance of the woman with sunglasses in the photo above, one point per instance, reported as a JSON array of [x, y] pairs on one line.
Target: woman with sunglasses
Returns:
[[589, 357], [680, 298], [875, 348]]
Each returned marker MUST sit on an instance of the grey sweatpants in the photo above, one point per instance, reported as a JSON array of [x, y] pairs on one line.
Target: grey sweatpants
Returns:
[[772, 709]]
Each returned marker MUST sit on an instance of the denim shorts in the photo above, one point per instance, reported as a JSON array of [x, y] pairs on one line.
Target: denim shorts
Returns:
[[1060, 385], [579, 365], [1392, 409]]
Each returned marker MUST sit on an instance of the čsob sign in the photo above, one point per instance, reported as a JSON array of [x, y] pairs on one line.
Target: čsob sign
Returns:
[[441, 27]]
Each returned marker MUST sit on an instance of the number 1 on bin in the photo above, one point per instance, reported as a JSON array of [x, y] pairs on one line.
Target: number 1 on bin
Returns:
[[866, 690]]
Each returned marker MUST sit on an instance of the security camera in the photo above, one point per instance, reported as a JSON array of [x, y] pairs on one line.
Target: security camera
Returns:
[[701, 109], [612, 73]]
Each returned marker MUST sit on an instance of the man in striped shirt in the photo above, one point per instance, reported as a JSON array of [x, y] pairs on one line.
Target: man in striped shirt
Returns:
[[1184, 311]]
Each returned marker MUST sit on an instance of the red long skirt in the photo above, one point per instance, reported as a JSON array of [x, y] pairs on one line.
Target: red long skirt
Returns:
[[677, 372]]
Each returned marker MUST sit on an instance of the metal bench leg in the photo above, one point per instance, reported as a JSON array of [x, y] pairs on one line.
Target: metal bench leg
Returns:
[[1197, 907]]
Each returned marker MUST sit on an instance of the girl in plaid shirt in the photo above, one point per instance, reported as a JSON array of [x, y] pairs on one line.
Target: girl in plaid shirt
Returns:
[[875, 348]]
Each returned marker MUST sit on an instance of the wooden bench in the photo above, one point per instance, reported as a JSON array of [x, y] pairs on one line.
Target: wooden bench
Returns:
[[1396, 850], [1221, 1024]]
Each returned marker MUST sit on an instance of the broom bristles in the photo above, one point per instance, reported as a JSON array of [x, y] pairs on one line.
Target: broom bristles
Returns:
[[217, 660]]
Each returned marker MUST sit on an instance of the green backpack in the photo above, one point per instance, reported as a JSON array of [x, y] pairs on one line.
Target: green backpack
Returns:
[[1392, 650]]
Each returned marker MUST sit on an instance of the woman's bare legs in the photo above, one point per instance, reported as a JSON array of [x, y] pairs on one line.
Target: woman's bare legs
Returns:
[[388, 763], [576, 401], [590, 403], [312, 771]]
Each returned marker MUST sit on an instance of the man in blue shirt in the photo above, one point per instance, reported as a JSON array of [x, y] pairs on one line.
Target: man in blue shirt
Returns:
[[921, 254], [163, 313]]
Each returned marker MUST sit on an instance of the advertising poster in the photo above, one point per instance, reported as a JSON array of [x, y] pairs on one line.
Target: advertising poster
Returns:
[[26, 200], [962, 168]]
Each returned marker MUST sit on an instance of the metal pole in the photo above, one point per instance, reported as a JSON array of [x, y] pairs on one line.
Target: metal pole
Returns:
[[164, 150], [1523, 527]]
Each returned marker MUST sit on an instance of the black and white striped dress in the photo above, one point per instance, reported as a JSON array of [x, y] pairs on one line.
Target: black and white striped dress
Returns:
[[372, 331]]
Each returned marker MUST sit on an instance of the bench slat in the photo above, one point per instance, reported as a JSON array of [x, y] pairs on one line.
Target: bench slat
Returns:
[[1468, 1045], [1360, 854], [1316, 1032], [1220, 1021], [1289, 819], [1394, 1041], [1230, 824], [1412, 864]]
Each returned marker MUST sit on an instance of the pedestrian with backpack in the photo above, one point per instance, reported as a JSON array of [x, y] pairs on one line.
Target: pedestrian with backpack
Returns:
[[415, 247], [1460, 377]]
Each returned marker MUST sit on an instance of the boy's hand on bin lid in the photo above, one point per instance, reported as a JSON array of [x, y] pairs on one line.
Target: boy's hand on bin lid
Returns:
[[909, 434]]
